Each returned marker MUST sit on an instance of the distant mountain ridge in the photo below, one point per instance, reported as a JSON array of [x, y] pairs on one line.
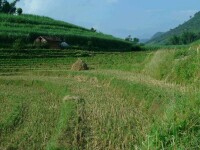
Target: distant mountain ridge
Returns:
[[192, 25], [143, 40]]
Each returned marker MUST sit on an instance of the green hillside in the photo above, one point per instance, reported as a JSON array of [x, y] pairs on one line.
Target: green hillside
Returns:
[[26, 28], [191, 25], [158, 34]]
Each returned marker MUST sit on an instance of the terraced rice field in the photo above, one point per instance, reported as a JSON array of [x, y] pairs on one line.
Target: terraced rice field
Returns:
[[125, 101]]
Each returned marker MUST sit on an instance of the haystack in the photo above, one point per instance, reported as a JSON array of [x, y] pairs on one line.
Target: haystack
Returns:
[[79, 65]]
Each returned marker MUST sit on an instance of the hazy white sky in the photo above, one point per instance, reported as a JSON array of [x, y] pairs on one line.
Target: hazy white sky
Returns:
[[140, 18]]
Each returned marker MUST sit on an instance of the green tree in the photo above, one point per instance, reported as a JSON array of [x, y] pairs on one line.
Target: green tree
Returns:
[[128, 38], [188, 37], [93, 29], [0, 6], [7, 7], [175, 40], [136, 40], [19, 11], [13, 4]]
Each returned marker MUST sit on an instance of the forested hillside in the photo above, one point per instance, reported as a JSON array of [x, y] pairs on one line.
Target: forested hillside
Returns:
[[186, 33]]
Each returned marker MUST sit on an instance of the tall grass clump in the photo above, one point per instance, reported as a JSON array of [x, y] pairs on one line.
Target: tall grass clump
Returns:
[[175, 65]]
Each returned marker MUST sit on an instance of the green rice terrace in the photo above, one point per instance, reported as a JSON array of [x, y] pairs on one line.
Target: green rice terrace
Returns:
[[21, 31], [132, 100], [128, 99]]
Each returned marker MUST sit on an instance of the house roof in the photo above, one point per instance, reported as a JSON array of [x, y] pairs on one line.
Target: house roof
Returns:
[[51, 38]]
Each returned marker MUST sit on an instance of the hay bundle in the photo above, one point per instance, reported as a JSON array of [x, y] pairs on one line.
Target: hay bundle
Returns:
[[71, 98], [79, 65]]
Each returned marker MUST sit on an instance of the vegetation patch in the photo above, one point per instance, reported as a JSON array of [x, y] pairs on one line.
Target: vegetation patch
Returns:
[[140, 100]]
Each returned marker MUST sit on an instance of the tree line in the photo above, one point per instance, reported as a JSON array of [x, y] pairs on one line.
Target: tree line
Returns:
[[184, 39], [10, 8], [133, 40]]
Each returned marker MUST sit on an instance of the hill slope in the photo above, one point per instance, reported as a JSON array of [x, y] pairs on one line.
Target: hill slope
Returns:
[[158, 34], [29, 27], [191, 25]]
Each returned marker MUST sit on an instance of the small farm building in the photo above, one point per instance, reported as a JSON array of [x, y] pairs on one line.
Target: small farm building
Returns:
[[52, 42]]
